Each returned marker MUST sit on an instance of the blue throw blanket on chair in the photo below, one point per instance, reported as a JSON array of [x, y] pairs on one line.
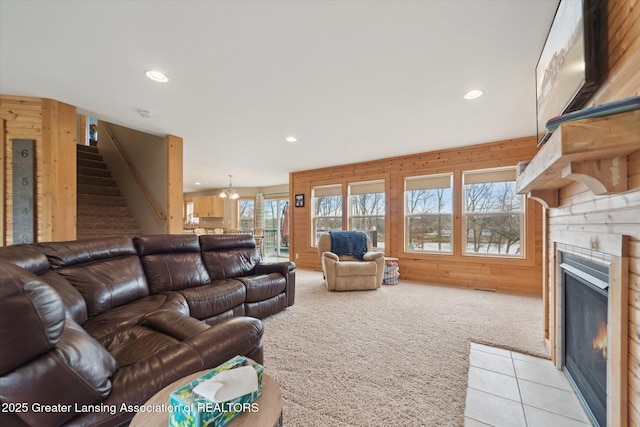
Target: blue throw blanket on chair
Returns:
[[349, 243]]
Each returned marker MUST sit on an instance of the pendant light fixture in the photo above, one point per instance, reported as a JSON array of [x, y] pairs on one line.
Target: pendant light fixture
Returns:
[[229, 192]]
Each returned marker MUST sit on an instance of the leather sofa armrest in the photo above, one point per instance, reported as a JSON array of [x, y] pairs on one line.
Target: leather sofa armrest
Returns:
[[283, 267], [237, 336], [288, 270], [174, 324]]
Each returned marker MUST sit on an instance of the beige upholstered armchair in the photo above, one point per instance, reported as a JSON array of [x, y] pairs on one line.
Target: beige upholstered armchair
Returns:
[[346, 272]]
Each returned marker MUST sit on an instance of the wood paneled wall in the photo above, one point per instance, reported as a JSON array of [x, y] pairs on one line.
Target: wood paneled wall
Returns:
[[581, 213], [501, 274], [52, 125], [175, 200]]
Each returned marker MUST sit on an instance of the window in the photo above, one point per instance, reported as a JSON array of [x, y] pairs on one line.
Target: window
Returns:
[[367, 210], [190, 219], [246, 209], [327, 210], [493, 213], [428, 213]]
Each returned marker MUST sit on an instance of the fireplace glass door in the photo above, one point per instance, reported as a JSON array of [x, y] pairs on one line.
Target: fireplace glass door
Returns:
[[585, 335]]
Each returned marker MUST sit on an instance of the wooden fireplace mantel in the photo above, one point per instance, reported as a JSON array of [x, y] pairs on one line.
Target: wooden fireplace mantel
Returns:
[[591, 151]]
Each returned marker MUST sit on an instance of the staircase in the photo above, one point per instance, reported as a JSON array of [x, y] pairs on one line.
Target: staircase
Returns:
[[101, 209]]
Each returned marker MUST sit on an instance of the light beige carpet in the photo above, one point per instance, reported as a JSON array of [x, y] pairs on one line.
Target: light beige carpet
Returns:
[[397, 356]]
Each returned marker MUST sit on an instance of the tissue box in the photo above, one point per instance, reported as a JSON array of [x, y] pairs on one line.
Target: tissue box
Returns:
[[190, 410]]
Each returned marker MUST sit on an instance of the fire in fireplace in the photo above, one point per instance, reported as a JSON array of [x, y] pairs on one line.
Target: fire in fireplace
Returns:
[[585, 301]]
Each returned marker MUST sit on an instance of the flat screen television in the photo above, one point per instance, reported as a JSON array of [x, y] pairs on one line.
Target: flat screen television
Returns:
[[572, 61]]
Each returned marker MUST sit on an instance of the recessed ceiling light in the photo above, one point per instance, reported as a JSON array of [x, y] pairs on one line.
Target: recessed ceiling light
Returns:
[[473, 94], [197, 183], [291, 139], [157, 76]]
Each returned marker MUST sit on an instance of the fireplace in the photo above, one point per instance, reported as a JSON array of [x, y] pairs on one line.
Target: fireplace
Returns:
[[585, 286]]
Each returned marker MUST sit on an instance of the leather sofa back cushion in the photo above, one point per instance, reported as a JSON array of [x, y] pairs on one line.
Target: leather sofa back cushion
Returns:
[[74, 304], [171, 262], [31, 316], [32, 258], [108, 284], [229, 256], [76, 372], [77, 252], [29, 257]]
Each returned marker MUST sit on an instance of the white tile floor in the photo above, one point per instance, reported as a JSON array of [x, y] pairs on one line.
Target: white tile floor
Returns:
[[513, 389]]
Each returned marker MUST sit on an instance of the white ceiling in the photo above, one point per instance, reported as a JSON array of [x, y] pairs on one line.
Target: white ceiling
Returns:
[[352, 80]]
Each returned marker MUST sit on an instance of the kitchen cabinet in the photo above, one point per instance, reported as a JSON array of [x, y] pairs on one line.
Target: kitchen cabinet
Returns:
[[208, 207]]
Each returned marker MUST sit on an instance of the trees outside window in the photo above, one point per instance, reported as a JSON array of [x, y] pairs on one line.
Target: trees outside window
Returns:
[[246, 214], [493, 213], [367, 210], [327, 210], [429, 213]]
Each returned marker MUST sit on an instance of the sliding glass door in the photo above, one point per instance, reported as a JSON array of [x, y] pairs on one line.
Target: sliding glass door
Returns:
[[276, 227]]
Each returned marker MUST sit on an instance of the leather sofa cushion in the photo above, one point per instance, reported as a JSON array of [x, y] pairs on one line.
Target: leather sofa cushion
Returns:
[[214, 298], [106, 272], [77, 371], [171, 262], [263, 287], [134, 384], [29, 257], [31, 316], [229, 256], [86, 357], [74, 304], [109, 283], [262, 309], [101, 326], [135, 343], [77, 252], [33, 259]]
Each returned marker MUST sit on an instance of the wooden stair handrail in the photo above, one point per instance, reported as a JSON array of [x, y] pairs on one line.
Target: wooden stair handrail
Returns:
[[133, 172]]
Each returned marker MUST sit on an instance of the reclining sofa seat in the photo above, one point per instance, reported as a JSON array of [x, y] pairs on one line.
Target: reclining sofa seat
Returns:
[[269, 287], [117, 323]]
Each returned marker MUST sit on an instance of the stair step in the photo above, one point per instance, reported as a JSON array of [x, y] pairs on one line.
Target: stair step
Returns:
[[98, 190], [87, 171], [92, 164], [94, 234], [93, 210], [87, 148], [100, 200], [90, 156], [97, 180], [104, 223], [101, 210]]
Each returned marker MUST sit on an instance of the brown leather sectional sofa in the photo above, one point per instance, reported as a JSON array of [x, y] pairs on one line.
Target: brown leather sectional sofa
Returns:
[[90, 330]]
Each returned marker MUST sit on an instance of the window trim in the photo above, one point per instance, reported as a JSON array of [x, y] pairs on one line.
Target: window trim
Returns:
[[492, 175], [430, 182], [238, 218], [376, 186], [325, 190]]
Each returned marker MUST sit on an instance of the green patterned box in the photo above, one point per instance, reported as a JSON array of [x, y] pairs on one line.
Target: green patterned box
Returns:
[[191, 410]]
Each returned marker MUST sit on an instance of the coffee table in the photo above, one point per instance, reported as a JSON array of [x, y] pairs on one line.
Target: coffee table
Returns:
[[269, 413]]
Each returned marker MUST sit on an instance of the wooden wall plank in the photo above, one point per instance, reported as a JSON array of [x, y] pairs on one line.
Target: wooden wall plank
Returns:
[[175, 201], [3, 190], [523, 275], [52, 125]]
